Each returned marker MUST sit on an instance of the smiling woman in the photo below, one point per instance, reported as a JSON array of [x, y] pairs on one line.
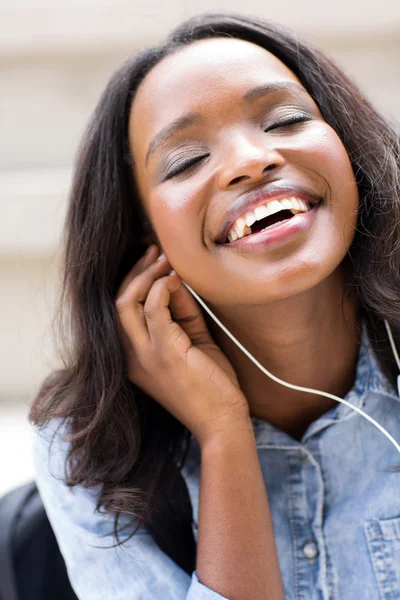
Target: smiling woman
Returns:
[[271, 186]]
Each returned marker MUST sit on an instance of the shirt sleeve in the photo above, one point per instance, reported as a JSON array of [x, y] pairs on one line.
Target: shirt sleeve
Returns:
[[137, 570]]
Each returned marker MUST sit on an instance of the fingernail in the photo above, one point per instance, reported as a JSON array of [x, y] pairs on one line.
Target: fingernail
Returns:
[[172, 272], [161, 257]]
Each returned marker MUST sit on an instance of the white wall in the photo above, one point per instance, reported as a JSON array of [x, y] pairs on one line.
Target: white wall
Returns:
[[55, 59]]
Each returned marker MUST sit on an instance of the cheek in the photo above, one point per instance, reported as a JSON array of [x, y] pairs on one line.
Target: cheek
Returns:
[[322, 154], [177, 219], [321, 150], [337, 165], [344, 198]]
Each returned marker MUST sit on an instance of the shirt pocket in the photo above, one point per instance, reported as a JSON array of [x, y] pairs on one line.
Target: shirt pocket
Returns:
[[383, 538]]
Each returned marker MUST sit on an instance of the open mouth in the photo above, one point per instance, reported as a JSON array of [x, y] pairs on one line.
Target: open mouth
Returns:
[[282, 215], [260, 222]]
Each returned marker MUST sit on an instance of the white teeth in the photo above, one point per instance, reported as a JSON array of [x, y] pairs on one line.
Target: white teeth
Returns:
[[234, 235], [250, 218], [274, 207], [303, 205], [286, 204], [242, 225], [261, 212]]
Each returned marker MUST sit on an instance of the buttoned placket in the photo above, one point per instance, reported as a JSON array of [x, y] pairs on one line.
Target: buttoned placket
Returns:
[[313, 577]]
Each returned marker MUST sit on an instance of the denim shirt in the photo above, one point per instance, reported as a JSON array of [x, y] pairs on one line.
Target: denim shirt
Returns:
[[334, 501]]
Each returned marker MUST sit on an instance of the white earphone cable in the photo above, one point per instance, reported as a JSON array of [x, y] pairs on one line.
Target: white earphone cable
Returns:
[[394, 349], [297, 387]]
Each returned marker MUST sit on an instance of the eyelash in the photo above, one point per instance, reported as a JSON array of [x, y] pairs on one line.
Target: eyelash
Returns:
[[299, 118], [191, 162], [185, 165]]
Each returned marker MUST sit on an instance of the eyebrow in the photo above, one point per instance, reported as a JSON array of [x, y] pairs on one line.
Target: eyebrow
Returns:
[[170, 130], [270, 88], [191, 119]]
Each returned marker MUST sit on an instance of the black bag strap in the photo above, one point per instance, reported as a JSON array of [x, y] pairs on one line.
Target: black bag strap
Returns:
[[11, 507], [171, 529]]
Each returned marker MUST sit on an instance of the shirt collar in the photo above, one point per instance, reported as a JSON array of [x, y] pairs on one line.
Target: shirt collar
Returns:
[[369, 374], [369, 378]]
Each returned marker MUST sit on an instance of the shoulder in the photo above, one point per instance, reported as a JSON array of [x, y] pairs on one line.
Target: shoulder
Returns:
[[97, 568], [50, 450], [50, 445], [64, 504]]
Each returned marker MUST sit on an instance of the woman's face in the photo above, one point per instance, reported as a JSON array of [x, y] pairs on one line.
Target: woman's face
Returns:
[[220, 104]]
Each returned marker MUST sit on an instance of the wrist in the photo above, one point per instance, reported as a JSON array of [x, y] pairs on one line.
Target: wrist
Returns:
[[228, 433]]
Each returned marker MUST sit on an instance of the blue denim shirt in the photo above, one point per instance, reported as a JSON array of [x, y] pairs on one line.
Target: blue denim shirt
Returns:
[[334, 502]]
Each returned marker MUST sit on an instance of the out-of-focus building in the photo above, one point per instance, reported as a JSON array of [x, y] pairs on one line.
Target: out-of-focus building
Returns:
[[56, 57]]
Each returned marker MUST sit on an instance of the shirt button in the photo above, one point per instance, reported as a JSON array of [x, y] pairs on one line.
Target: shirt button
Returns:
[[310, 550]]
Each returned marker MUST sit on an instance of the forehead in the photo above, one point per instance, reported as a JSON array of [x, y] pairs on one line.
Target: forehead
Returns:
[[198, 76]]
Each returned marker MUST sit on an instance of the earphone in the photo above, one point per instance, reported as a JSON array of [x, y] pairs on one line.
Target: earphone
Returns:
[[304, 389]]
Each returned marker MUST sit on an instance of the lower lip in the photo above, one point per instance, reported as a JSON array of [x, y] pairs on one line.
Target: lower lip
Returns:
[[275, 234]]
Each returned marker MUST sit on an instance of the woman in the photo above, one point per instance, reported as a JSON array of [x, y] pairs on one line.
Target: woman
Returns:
[[272, 187]]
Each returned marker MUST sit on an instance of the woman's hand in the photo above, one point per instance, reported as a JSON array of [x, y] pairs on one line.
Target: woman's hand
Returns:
[[170, 353]]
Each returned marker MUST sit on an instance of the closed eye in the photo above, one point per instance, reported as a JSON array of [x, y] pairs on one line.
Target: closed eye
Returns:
[[185, 166], [300, 118], [190, 163]]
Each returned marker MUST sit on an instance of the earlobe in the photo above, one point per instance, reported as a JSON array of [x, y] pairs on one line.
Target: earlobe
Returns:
[[147, 239], [149, 235], [151, 238]]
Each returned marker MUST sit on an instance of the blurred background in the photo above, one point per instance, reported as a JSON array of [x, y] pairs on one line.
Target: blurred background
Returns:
[[55, 59]]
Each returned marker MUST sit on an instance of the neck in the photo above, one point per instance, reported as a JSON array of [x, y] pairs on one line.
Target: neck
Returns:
[[311, 340]]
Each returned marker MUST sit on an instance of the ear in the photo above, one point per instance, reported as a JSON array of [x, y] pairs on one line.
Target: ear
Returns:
[[150, 237]]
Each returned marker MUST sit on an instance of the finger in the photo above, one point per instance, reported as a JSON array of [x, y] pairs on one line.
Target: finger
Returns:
[[186, 311], [130, 304], [140, 284], [161, 327]]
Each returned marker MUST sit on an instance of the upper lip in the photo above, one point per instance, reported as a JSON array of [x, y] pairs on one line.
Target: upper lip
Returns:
[[249, 200]]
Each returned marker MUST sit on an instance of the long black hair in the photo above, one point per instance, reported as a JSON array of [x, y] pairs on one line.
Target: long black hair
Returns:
[[120, 437]]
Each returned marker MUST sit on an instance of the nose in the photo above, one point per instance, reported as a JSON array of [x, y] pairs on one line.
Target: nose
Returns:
[[247, 160]]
